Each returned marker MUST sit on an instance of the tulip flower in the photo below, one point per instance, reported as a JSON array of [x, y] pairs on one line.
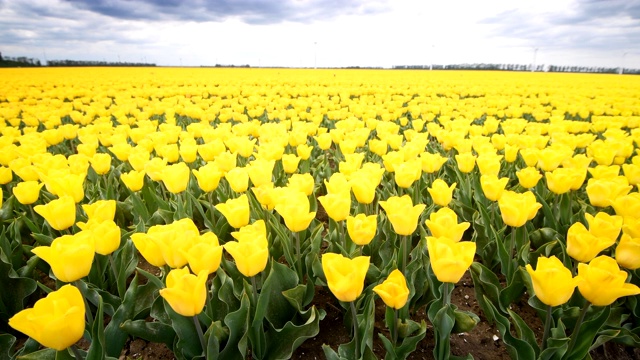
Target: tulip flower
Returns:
[[632, 173], [304, 151], [101, 163], [261, 172], [450, 259], [185, 293], [188, 151], [582, 245], [362, 228], [59, 213], [205, 254], [148, 248], [290, 163], [432, 163], [444, 223], [604, 172], [250, 255], [176, 177], [133, 180], [6, 175], [55, 321], [67, 184], [337, 183], [603, 225], [602, 282], [295, 211], [154, 168], [402, 214], [393, 291], [264, 196], [628, 252], [466, 162], [101, 210], [173, 238], [27, 192], [560, 180], [406, 173], [345, 277], [324, 141], [517, 208], [106, 235], [208, 177], [627, 205], [363, 187], [252, 232], [303, 182], [528, 177], [489, 164], [70, 256], [552, 282], [441, 193], [602, 192], [337, 205], [236, 211], [225, 161], [492, 186], [238, 179]]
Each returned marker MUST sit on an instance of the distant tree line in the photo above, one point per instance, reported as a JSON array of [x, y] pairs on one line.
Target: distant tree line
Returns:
[[94, 63], [18, 61], [522, 67]]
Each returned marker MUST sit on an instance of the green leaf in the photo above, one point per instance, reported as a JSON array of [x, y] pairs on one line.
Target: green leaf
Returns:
[[295, 296], [156, 332], [11, 302], [443, 322], [524, 331], [271, 303], [44, 354], [117, 337], [588, 332], [281, 343], [407, 346], [97, 350], [125, 260], [188, 342], [238, 324], [6, 344]]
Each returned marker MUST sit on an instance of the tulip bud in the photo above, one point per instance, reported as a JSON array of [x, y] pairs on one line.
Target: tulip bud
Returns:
[[186, 293], [345, 277], [393, 291], [602, 282]]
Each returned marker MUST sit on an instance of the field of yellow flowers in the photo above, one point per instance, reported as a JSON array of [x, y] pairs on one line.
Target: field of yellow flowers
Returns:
[[250, 190]]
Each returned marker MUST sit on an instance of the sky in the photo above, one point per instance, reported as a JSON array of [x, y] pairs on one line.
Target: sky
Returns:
[[325, 33]]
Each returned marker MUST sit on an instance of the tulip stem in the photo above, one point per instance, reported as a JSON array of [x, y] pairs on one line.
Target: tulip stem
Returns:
[[196, 322], [512, 242], [576, 330], [394, 327], [355, 328], [298, 256], [446, 296], [211, 206], [76, 352], [78, 285], [254, 288], [404, 249], [547, 327]]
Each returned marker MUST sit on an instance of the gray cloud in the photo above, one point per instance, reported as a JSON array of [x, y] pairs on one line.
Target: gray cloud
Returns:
[[249, 11]]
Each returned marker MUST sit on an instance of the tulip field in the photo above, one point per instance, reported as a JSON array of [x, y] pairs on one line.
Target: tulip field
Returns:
[[222, 213]]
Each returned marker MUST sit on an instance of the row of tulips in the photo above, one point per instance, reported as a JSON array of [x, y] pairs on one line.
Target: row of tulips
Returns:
[[182, 192]]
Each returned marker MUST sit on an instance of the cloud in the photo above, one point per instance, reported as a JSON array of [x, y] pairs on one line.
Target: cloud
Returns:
[[248, 11]]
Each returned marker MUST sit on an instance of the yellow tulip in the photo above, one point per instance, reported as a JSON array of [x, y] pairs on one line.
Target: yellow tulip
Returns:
[[450, 259], [290, 163], [444, 223], [55, 321], [560, 180], [304, 151], [205, 254], [432, 163], [252, 232], [492, 186], [225, 161], [6, 175], [101, 210], [345, 277], [101, 163], [602, 192], [261, 172], [511, 153], [295, 210], [441, 193], [628, 252], [154, 168], [188, 151], [238, 179], [210, 150], [27, 192], [208, 177], [121, 151], [363, 187], [337, 183], [185, 293], [133, 180], [604, 172], [393, 291], [528, 177], [362, 228], [552, 282], [632, 173], [603, 225], [66, 184], [106, 235], [406, 173], [173, 238], [70, 256], [631, 226], [236, 211], [250, 255], [627, 205], [263, 194], [59, 213], [337, 205], [516, 209], [176, 177], [582, 245], [489, 164], [324, 141], [602, 282], [402, 214], [303, 182], [148, 248]]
